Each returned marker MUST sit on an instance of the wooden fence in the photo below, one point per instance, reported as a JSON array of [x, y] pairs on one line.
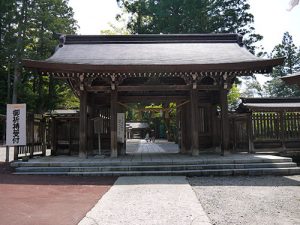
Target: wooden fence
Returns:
[[265, 130], [35, 137]]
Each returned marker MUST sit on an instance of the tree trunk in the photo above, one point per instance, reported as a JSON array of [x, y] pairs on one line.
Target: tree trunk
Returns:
[[19, 49], [8, 83]]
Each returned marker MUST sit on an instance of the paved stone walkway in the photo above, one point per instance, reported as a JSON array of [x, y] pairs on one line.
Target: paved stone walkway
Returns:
[[148, 200], [141, 146]]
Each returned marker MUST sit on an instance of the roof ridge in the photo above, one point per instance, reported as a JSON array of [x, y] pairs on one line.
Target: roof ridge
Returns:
[[271, 100], [152, 38]]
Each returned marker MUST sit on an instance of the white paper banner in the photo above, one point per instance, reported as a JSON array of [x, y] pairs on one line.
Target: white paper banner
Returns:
[[16, 124]]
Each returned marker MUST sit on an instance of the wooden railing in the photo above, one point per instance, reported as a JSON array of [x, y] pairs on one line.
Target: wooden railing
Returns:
[[265, 130], [266, 126], [36, 137]]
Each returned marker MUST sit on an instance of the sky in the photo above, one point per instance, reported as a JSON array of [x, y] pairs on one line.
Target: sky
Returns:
[[271, 19]]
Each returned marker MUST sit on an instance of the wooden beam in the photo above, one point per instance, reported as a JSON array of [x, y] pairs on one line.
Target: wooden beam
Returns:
[[154, 88], [194, 122], [151, 99], [181, 104], [146, 88], [83, 125], [207, 87], [98, 88]]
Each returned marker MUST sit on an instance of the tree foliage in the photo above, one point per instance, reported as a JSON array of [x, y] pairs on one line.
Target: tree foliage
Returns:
[[253, 89], [287, 49], [26, 31], [234, 97], [190, 16]]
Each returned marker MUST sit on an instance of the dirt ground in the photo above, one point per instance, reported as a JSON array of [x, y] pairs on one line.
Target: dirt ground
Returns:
[[47, 200], [249, 200]]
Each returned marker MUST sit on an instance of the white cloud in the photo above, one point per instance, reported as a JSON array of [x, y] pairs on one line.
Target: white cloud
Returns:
[[272, 20]]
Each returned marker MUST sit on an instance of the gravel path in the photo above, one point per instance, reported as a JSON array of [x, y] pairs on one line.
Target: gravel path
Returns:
[[249, 200]]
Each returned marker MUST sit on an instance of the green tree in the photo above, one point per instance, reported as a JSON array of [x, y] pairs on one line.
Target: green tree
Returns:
[[234, 97], [253, 89], [190, 16], [26, 31], [287, 49]]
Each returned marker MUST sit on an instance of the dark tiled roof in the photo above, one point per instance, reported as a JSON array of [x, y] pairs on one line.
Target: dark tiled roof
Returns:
[[272, 104], [154, 54], [126, 53], [284, 105]]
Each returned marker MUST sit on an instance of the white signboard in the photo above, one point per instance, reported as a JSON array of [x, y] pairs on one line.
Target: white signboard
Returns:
[[16, 124], [121, 127]]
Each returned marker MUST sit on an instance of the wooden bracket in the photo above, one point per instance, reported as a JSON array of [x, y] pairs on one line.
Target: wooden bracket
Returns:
[[81, 79], [225, 81], [194, 77], [113, 84]]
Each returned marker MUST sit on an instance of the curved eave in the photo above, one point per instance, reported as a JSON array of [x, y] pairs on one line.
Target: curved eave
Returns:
[[242, 68], [292, 79]]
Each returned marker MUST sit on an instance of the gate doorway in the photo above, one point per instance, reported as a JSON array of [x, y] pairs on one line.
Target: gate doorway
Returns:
[[151, 128]]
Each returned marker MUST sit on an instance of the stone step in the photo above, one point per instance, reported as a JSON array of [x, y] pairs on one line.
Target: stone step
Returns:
[[101, 163], [157, 167], [219, 172]]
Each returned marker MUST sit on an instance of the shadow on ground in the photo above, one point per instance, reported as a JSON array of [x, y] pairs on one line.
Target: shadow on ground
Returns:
[[7, 178]]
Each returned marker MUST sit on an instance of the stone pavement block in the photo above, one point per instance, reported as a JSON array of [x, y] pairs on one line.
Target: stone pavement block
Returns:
[[148, 200]]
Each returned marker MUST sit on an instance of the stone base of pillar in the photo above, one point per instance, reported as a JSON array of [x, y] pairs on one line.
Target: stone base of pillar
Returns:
[[82, 155], [114, 153], [195, 152]]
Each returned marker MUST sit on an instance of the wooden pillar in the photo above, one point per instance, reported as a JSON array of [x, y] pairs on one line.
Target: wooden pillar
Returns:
[[31, 124], [69, 137], [44, 135], [183, 130], [224, 121], [83, 125], [194, 122], [178, 128], [113, 124], [215, 127], [176, 135], [250, 133], [7, 154], [53, 137], [16, 152], [90, 132]]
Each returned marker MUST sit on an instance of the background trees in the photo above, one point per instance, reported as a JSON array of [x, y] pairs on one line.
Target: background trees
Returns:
[[27, 28], [26, 31], [287, 49], [190, 16]]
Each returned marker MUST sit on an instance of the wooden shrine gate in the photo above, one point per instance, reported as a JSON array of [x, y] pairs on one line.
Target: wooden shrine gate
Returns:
[[194, 70]]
